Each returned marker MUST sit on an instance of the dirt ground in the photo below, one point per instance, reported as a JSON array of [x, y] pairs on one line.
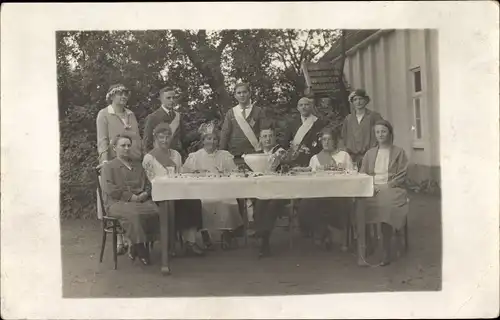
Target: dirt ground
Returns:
[[304, 269]]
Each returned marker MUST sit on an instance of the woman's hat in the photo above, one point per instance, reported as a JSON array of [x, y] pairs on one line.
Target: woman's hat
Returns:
[[115, 89], [207, 128], [359, 93]]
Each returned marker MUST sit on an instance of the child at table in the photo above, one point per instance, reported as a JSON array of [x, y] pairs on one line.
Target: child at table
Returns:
[[321, 215]]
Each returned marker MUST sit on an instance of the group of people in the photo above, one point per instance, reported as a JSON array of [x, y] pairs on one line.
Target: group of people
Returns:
[[130, 163]]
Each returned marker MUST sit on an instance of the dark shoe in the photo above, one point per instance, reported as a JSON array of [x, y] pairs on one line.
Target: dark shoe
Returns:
[[265, 248], [207, 241], [143, 254], [193, 249]]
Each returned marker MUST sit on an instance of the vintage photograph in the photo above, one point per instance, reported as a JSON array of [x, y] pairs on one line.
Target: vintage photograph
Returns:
[[249, 162]]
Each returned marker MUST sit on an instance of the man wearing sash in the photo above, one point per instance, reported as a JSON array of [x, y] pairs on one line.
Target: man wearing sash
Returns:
[[240, 129], [241, 126], [302, 135], [166, 113]]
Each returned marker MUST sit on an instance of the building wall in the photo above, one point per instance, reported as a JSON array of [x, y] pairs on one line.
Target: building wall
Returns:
[[383, 66]]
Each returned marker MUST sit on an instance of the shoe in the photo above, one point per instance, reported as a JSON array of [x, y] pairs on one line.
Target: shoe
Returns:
[[265, 248], [143, 254], [194, 250], [132, 252]]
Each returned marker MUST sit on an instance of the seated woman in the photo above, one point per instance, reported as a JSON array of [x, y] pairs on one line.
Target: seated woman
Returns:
[[188, 218], [219, 215], [321, 215], [388, 164], [127, 197]]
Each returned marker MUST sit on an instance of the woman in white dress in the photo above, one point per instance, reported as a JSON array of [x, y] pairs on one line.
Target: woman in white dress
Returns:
[[156, 163], [322, 215], [220, 217]]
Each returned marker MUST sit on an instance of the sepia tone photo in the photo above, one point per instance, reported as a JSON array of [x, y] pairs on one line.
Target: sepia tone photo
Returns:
[[249, 162]]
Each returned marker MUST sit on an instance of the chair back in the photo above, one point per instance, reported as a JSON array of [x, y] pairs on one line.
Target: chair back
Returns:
[[100, 194]]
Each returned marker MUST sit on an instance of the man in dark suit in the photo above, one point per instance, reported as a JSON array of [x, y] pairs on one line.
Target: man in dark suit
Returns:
[[302, 135], [166, 113], [241, 127], [266, 211]]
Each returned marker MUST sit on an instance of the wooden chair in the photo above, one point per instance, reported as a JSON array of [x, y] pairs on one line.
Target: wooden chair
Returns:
[[373, 233], [109, 224]]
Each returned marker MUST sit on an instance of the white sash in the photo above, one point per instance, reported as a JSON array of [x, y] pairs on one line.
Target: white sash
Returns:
[[174, 125], [245, 127], [304, 129]]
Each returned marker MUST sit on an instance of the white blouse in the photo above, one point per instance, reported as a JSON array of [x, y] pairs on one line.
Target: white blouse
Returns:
[[381, 169], [341, 157], [155, 169], [201, 160]]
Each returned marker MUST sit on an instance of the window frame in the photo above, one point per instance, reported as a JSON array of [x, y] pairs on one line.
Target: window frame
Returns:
[[418, 143]]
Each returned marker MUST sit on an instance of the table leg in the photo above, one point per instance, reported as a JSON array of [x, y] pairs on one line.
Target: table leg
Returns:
[[361, 230], [245, 221], [291, 222], [165, 216]]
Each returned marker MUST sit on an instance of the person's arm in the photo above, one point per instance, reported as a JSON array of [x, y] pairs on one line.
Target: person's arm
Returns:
[[147, 141], [399, 179], [228, 162], [348, 162], [314, 163], [147, 187], [102, 137], [364, 163], [135, 127], [189, 164], [225, 132], [343, 136], [147, 164], [112, 188]]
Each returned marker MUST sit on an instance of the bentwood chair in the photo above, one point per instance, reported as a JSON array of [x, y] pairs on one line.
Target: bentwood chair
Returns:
[[109, 224]]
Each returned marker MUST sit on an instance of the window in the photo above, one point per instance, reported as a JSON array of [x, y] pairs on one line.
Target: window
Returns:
[[418, 106]]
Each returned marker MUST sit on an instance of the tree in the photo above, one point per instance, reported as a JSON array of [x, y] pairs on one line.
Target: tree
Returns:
[[203, 64]]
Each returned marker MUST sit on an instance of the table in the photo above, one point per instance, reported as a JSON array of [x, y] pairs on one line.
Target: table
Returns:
[[165, 189]]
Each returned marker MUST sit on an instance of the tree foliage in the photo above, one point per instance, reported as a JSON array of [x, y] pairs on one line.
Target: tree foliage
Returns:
[[202, 64]]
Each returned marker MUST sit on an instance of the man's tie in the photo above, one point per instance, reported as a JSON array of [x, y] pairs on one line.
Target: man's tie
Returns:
[[244, 111]]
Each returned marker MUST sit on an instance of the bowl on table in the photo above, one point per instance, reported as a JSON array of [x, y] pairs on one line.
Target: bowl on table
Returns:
[[258, 162]]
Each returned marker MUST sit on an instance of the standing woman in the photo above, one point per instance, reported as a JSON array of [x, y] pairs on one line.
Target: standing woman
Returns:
[[188, 218], [389, 205], [111, 121], [357, 129]]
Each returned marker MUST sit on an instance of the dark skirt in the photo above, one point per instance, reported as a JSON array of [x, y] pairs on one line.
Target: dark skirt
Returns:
[[188, 214], [140, 220], [315, 214], [388, 206]]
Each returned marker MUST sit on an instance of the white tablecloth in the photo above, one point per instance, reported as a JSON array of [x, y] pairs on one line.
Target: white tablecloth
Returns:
[[263, 187]]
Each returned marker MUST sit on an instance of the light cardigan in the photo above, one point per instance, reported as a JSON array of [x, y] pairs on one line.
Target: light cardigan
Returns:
[[109, 125], [398, 165]]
